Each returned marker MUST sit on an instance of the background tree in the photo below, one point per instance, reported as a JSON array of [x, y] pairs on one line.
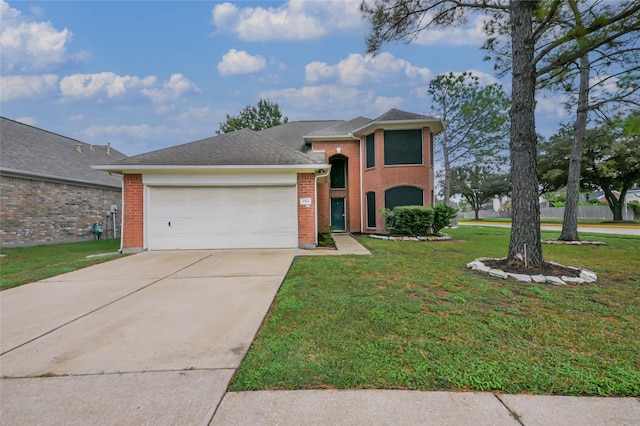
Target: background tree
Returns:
[[475, 117], [533, 36], [478, 183], [610, 161], [266, 114]]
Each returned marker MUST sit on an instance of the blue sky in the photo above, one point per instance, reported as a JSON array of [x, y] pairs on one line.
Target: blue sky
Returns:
[[144, 75]]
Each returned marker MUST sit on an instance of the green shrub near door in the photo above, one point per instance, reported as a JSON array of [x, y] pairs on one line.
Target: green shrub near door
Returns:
[[409, 220]]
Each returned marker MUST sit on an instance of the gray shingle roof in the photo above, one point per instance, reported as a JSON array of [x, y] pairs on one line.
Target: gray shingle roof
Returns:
[[292, 133], [240, 148], [343, 128], [398, 115], [30, 151]]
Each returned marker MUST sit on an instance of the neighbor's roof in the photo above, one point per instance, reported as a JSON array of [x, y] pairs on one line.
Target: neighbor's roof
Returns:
[[292, 133], [240, 148], [35, 153]]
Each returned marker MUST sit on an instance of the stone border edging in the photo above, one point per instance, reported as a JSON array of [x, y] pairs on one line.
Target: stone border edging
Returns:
[[586, 276], [443, 237], [574, 243]]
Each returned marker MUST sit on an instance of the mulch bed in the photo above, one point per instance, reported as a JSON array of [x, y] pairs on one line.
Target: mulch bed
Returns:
[[516, 267]]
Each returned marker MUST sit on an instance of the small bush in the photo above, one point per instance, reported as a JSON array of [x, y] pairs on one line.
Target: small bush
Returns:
[[442, 217], [409, 220]]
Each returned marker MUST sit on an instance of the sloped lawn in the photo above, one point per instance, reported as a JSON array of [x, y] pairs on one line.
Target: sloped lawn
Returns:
[[412, 317]]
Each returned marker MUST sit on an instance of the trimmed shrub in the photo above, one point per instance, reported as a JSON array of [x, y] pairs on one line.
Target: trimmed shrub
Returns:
[[442, 217], [409, 220]]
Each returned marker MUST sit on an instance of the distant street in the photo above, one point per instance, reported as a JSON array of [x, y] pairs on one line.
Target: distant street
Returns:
[[598, 229]]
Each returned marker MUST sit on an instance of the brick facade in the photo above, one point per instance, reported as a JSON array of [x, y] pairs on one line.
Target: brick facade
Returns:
[[350, 150], [383, 177], [377, 179], [34, 212], [133, 208], [307, 230]]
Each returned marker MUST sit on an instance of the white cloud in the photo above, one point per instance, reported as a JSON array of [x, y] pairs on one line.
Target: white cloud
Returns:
[[30, 121], [552, 106], [356, 70], [141, 131], [176, 86], [314, 102], [472, 34], [195, 114], [27, 45], [294, 20], [76, 117], [86, 86], [13, 87], [237, 62], [383, 104]]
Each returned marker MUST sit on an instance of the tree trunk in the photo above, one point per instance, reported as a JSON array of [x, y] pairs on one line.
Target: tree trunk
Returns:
[[477, 211], [570, 222], [445, 154], [615, 204], [525, 227]]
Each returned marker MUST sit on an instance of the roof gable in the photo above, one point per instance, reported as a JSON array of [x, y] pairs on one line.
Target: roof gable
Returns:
[[396, 119], [33, 152]]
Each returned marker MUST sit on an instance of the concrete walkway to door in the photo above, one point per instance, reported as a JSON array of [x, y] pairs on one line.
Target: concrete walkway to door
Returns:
[[152, 338]]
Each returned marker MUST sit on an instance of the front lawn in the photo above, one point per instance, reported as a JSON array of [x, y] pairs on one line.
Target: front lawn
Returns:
[[28, 264], [413, 317]]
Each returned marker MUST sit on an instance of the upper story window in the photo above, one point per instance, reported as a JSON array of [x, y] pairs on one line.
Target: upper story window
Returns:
[[338, 175], [370, 151], [402, 147]]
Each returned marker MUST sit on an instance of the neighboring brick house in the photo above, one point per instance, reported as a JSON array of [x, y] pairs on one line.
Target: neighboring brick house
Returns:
[[279, 187], [48, 191]]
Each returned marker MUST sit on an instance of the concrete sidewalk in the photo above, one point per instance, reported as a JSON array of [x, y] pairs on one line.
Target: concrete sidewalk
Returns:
[[389, 407], [345, 245], [626, 229]]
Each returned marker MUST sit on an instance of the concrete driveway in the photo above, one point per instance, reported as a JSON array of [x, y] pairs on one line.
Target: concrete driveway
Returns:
[[152, 338]]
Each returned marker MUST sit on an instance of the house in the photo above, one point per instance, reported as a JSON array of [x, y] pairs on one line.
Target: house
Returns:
[[48, 191], [279, 187]]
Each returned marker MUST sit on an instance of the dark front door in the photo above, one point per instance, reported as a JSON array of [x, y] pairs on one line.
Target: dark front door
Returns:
[[337, 214]]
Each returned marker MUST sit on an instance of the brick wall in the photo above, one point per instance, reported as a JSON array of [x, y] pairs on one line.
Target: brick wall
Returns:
[[350, 150], [307, 231], [380, 178], [133, 209], [34, 212]]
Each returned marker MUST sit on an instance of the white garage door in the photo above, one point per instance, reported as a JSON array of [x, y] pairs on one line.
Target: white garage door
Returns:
[[220, 218]]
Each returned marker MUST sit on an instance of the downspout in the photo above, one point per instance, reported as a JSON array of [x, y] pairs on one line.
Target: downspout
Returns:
[[315, 199], [362, 216], [122, 218]]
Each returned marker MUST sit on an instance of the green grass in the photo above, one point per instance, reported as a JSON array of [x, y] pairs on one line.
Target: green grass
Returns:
[[413, 317], [28, 264], [603, 222]]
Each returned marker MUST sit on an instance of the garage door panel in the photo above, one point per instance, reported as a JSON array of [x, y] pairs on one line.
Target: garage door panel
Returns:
[[209, 218]]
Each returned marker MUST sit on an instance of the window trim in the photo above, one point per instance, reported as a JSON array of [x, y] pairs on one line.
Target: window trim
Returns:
[[344, 173], [422, 203], [371, 213], [367, 151], [421, 163]]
